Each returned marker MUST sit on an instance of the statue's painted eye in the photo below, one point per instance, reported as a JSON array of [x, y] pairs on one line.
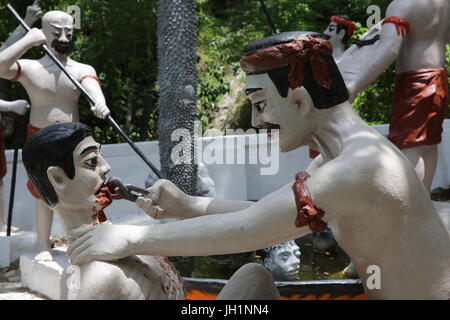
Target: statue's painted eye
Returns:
[[92, 162], [259, 106]]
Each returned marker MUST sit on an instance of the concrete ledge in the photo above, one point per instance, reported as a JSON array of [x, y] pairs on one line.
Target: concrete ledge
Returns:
[[46, 277], [11, 248]]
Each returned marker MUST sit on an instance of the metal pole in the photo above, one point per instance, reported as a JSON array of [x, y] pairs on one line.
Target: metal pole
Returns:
[[269, 18], [12, 192], [91, 100]]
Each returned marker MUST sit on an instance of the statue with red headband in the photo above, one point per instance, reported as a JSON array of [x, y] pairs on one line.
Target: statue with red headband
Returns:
[[414, 35], [338, 32], [360, 185]]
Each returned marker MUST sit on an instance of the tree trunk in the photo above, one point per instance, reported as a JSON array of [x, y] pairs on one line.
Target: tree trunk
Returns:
[[177, 78]]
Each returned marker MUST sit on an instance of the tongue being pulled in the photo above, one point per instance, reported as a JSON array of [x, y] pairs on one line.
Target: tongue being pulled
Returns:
[[104, 199]]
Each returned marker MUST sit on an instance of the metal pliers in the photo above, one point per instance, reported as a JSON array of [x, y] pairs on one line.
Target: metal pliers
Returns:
[[125, 191]]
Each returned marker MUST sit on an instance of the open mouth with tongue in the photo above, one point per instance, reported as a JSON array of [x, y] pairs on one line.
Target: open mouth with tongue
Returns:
[[104, 197]]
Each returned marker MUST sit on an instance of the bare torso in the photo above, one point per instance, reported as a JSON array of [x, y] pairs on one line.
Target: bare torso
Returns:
[[53, 97], [387, 220], [424, 47], [131, 278]]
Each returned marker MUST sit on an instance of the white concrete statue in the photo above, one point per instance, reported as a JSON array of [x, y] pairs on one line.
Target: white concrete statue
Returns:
[[363, 187], [283, 261], [54, 99], [20, 107], [70, 177], [413, 35], [338, 32]]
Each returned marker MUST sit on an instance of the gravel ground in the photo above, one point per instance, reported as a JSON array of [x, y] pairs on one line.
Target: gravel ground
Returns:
[[11, 287]]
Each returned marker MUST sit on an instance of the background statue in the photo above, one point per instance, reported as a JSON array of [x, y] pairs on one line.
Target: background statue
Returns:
[[177, 78], [20, 107], [283, 261], [338, 32], [414, 36], [360, 185], [54, 98]]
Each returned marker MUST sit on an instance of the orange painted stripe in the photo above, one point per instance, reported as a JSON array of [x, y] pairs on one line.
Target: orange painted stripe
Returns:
[[200, 295]]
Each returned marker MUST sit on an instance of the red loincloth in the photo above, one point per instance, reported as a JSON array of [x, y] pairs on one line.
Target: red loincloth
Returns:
[[419, 109], [31, 131], [2, 155]]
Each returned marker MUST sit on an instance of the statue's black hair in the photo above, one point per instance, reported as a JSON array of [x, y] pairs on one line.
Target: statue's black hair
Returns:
[[52, 147], [322, 97], [341, 26]]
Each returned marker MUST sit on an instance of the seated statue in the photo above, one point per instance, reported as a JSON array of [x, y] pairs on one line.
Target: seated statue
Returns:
[[360, 185], [64, 163]]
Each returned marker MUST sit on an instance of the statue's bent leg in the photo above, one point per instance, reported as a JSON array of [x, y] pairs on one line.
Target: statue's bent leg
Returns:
[[251, 282]]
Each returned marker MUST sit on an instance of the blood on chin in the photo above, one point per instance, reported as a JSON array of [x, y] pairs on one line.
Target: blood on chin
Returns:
[[103, 200]]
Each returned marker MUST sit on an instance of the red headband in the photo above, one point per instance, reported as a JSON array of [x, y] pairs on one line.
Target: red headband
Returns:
[[296, 53], [350, 25]]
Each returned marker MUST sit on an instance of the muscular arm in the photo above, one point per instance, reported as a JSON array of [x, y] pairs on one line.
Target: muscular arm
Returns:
[[269, 221], [206, 206], [10, 55], [93, 87], [384, 53]]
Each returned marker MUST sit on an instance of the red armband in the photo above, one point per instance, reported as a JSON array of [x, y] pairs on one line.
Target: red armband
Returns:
[[93, 77], [307, 212], [401, 24], [18, 73]]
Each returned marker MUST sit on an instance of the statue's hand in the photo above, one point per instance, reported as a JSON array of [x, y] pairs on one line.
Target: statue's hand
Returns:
[[36, 37], [19, 106], [166, 201], [34, 13], [102, 242], [100, 110]]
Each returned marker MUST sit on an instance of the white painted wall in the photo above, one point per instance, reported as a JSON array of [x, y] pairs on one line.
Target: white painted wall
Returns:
[[232, 181]]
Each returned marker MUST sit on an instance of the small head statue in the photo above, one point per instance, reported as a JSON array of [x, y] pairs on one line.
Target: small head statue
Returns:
[[58, 28], [340, 29], [64, 164], [283, 261], [291, 78]]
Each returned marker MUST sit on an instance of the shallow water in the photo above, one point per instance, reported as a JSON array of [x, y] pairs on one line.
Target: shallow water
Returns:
[[314, 265]]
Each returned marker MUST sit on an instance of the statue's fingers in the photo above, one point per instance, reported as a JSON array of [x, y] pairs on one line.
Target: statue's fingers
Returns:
[[144, 204], [154, 192], [77, 243], [75, 254], [76, 233]]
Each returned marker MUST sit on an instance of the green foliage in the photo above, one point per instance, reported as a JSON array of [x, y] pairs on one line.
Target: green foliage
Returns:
[[119, 39]]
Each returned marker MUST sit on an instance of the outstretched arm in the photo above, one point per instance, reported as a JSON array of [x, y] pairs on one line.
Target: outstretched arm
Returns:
[[268, 222], [19, 106], [167, 201], [383, 53]]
